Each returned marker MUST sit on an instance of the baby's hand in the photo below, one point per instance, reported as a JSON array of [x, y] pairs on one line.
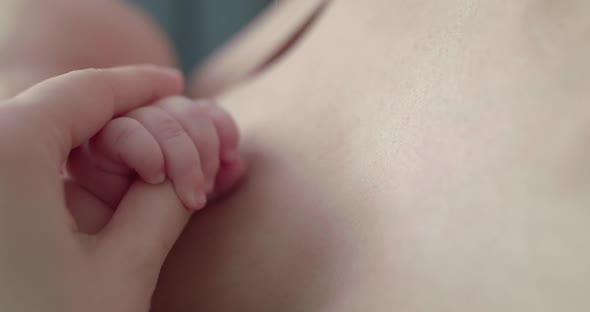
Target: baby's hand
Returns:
[[193, 144]]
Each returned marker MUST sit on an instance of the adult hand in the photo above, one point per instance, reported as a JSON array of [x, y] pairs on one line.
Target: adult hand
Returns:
[[47, 262]]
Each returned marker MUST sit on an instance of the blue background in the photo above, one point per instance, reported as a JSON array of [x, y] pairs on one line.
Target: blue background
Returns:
[[199, 26]]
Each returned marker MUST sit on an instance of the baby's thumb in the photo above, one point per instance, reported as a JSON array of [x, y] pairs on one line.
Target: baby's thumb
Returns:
[[144, 228]]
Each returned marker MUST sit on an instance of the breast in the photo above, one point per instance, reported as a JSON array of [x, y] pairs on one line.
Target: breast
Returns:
[[409, 184]]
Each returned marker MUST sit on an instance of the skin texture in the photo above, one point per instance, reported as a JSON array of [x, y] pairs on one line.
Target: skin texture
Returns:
[[409, 156], [47, 257], [190, 143], [100, 239], [406, 156]]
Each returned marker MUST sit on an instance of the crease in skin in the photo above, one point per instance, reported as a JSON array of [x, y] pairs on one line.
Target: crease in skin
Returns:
[[259, 46], [293, 40]]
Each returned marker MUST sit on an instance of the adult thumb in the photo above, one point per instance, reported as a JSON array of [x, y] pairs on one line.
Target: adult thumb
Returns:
[[144, 228]]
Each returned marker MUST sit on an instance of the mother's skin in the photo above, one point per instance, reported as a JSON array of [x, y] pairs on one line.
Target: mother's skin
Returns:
[[407, 156]]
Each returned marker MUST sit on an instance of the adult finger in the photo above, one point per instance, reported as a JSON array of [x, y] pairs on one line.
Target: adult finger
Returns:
[[69, 109], [121, 148], [144, 228]]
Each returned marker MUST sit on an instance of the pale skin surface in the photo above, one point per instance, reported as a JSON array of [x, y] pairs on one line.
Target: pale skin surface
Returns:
[[93, 237], [406, 157], [49, 261]]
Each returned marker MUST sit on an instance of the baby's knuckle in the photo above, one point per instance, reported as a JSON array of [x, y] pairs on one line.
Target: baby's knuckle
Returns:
[[169, 128], [183, 106], [196, 111], [129, 131]]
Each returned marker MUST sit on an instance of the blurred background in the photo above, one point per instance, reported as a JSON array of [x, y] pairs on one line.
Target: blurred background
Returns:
[[197, 27]]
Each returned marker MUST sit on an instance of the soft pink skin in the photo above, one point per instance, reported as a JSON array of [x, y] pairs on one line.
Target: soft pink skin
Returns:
[[43, 39], [193, 144], [119, 253], [51, 260]]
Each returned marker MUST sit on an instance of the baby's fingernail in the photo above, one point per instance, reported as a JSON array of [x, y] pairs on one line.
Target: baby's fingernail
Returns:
[[199, 200], [159, 179]]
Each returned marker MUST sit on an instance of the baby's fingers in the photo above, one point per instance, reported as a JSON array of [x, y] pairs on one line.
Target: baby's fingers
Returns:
[[227, 130], [181, 157], [194, 118], [105, 166], [233, 166], [125, 141]]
